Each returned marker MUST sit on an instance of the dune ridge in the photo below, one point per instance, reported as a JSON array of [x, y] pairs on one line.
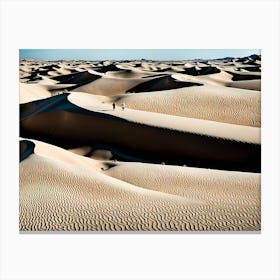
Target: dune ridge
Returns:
[[183, 155], [66, 124], [86, 198]]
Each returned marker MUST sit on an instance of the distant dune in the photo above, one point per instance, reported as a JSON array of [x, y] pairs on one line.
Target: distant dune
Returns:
[[184, 154]]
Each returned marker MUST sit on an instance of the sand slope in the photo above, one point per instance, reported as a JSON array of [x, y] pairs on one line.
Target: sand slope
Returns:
[[209, 102], [63, 191], [186, 141], [185, 154]]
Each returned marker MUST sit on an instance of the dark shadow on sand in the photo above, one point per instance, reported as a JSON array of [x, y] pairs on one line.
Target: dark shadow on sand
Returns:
[[57, 121]]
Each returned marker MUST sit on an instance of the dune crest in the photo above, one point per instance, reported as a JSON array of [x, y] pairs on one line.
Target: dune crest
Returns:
[[140, 145], [71, 192]]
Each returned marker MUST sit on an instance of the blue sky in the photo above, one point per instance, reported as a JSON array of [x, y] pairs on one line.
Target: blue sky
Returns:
[[130, 54]]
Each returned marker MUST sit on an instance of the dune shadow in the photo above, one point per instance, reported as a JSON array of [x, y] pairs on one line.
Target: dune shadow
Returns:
[[26, 148], [66, 125], [161, 83], [243, 76], [206, 70]]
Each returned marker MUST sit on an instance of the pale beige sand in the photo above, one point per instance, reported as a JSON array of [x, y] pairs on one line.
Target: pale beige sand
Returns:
[[215, 187], [87, 188], [208, 102], [31, 92], [41, 90], [63, 191], [80, 150], [198, 126], [111, 86], [251, 84]]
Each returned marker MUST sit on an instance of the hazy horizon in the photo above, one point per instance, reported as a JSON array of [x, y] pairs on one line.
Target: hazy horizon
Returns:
[[133, 54]]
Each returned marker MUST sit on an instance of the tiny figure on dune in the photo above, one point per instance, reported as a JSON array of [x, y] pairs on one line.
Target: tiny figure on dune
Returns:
[[114, 106], [123, 106]]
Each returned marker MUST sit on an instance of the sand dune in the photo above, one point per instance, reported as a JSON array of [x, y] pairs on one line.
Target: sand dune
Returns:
[[71, 192], [195, 183], [251, 84], [209, 102], [197, 126], [30, 92], [162, 83], [76, 78], [241, 76], [111, 86], [129, 73], [185, 154], [198, 143]]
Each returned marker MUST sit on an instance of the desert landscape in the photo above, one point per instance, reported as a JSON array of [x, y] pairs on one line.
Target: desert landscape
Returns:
[[181, 150]]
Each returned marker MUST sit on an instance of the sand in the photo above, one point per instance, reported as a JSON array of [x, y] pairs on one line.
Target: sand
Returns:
[[64, 191], [184, 155]]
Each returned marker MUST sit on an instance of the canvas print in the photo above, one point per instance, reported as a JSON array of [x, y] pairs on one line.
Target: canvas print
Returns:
[[140, 140]]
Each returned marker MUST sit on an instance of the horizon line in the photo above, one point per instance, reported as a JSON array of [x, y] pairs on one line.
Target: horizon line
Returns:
[[133, 54]]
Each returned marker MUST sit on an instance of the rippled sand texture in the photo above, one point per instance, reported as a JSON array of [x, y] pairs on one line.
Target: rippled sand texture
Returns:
[[185, 154]]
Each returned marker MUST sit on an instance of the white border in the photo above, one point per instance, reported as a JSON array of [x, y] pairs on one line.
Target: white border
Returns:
[[146, 24]]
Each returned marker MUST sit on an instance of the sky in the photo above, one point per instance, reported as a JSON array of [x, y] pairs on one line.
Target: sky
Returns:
[[132, 54]]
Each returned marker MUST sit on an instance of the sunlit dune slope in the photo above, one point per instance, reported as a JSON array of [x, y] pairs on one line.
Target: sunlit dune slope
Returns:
[[209, 102], [59, 121], [63, 191], [140, 145]]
